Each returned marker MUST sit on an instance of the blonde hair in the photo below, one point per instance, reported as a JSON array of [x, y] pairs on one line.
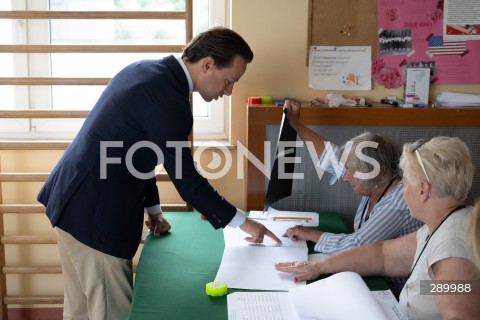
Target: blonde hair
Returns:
[[474, 233], [447, 162]]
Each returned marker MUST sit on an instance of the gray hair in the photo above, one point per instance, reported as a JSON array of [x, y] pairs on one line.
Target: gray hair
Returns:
[[448, 164], [387, 154]]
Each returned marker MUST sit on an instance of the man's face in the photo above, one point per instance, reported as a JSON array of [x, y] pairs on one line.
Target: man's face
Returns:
[[217, 82]]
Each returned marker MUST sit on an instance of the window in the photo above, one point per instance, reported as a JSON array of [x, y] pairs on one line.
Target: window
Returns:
[[140, 32]]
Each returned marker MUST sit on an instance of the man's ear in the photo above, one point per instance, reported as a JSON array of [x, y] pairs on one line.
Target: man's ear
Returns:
[[208, 64]]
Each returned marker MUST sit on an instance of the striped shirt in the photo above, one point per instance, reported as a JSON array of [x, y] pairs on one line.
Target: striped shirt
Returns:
[[389, 218]]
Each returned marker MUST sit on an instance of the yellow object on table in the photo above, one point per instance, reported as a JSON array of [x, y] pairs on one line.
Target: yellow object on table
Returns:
[[216, 289]]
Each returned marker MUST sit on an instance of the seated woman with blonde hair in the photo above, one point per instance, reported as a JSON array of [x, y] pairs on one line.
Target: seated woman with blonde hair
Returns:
[[437, 176]]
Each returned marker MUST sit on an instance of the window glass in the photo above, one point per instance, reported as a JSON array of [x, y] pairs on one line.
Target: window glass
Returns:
[[90, 65]]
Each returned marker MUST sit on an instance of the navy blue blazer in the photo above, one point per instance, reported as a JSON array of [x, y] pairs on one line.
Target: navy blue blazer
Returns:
[[92, 194]]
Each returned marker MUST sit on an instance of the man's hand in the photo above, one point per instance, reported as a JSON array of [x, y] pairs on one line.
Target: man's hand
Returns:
[[257, 231], [157, 224]]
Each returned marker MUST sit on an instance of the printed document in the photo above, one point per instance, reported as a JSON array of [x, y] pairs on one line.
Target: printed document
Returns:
[[341, 296]]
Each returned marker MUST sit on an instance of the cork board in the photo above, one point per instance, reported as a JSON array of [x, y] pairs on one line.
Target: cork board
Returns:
[[342, 23]]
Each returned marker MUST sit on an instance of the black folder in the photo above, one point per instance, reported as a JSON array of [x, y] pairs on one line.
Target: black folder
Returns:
[[279, 188]]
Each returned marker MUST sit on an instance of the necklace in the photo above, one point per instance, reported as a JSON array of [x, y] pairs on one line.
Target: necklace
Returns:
[[431, 234], [368, 201]]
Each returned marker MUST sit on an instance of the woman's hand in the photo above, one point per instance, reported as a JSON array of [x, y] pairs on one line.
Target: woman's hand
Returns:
[[292, 110], [305, 270], [303, 233]]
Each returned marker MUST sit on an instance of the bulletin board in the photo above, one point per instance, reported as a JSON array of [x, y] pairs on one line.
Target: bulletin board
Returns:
[[410, 33], [342, 23]]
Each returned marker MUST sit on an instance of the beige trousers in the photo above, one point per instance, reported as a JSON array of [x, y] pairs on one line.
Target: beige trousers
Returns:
[[97, 286]]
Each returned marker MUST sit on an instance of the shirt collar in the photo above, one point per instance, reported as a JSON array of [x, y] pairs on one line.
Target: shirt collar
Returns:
[[187, 74]]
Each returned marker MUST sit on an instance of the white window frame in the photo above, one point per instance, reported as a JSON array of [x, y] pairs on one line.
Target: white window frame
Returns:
[[215, 125], [212, 127]]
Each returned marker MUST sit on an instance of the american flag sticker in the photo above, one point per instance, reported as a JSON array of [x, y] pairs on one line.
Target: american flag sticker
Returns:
[[438, 46]]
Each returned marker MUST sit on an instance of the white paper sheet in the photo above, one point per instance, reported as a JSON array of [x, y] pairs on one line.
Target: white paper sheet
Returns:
[[236, 236], [246, 265], [389, 304], [462, 16], [458, 97], [454, 100], [341, 296], [260, 305], [340, 68], [252, 267]]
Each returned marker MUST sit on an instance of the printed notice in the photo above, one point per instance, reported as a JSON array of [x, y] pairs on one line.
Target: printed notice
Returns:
[[461, 20], [340, 68], [441, 35]]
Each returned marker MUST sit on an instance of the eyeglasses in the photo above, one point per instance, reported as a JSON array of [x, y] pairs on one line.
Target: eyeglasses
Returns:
[[419, 157]]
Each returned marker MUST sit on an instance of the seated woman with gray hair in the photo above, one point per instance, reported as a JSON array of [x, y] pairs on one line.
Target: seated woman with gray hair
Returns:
[[374, 175], [437, 259]]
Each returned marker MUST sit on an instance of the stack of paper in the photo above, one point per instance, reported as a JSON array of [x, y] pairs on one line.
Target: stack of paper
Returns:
[[453, 99], [246, 265], [341, 296]]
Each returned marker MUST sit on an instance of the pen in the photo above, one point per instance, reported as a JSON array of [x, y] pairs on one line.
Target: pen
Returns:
[[291, 218]]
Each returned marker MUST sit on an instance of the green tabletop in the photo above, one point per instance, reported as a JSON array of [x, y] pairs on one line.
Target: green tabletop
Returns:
[[174, 269]]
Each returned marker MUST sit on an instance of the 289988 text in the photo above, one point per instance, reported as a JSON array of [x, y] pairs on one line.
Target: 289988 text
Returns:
[[435, 287]]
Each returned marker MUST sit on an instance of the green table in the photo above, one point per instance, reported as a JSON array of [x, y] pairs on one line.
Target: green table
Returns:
[[174, 269]]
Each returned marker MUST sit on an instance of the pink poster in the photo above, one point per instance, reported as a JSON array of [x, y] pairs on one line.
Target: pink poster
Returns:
[[410, 35]]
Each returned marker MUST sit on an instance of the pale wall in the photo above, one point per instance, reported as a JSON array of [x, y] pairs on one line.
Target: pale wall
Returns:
[[277, 33]]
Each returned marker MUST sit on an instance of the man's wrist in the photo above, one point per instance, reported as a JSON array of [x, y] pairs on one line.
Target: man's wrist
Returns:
[[156, 209], [238, 219]]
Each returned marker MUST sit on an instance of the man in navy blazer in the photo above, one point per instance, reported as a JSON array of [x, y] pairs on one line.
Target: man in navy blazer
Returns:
[[96, 195]]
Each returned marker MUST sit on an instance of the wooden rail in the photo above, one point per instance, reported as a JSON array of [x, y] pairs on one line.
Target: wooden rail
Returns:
[[23, 177], [46, 81], [33, 300], [109, 15], [32, 269], [20, 209], [52, 48], [50, 114], [47, 145]]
